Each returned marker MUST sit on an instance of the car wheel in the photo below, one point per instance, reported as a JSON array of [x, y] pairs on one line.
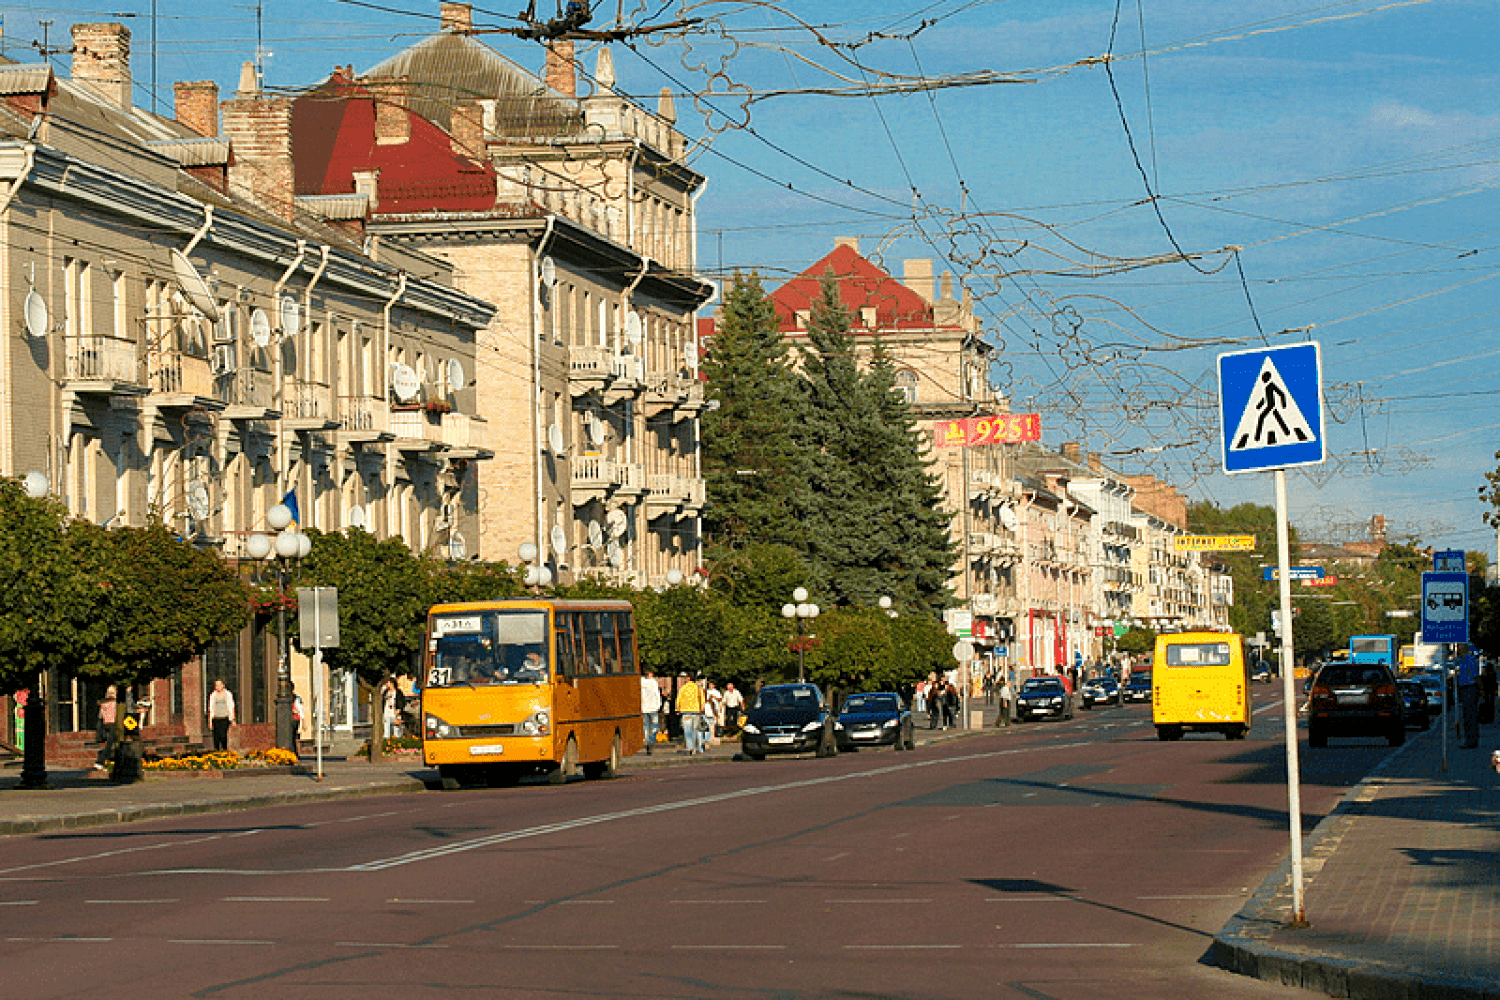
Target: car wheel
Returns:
[[756, 756], [559, 775], [1397, 736]]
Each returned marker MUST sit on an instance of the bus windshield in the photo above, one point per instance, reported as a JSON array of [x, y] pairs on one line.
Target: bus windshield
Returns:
[[1198, 654], [489, 647]]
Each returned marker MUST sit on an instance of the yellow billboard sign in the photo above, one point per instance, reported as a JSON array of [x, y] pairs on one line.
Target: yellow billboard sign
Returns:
[[1214, 543]]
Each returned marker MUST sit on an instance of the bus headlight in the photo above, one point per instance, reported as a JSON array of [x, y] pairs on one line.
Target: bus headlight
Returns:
[[538, 723], [437, 729]]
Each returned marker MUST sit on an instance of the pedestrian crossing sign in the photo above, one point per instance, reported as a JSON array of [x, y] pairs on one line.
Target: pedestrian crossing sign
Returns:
[[1271, 407]]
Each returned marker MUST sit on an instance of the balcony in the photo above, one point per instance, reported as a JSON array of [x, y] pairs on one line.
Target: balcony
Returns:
[[594, 477], [663, 492], [363, 420], [251, 395], [417, 430], [590, 369], [103, 365], [629, 378], [466, 436], [181, 380], [630, 478], [307, 406]]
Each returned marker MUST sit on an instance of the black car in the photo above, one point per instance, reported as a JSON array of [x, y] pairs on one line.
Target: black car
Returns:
[[788, 718], [1433, 684], [1261, 672], [1414, 711], [1103, 690], [1043, 698], [1355, 699], [1138, 688], [874, 719]]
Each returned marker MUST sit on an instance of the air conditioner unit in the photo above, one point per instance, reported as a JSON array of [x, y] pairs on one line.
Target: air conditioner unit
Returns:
[[223, 361]]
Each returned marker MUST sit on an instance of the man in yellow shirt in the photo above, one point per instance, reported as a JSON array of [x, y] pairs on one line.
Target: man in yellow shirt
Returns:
[[690, 709]]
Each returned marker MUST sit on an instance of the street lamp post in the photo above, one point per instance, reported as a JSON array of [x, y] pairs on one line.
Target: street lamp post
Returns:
[[801, 611], [286, 546], [34, 715]]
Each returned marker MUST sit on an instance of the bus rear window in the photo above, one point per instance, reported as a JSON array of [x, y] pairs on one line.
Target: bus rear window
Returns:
[[1198, 654], [488, 647]]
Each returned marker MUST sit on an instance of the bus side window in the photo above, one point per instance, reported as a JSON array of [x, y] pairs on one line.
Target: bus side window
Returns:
[[626, 628], [567, 640], [592, 661], [609, 653]]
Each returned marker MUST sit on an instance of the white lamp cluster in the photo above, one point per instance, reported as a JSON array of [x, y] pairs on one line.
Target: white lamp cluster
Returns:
[[536, 574], [35, 484], [286, 544], [802, 611]]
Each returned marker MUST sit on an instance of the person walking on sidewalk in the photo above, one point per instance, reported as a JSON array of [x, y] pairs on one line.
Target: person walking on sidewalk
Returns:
[[1468, 701], [713, 715], [650, 707], [690, 709], [220, 714], [734, 707], [950, 705], [1002, 715], [109, 709]]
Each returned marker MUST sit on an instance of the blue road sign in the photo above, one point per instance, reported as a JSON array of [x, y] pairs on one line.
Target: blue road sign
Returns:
[[1271, 407], [1451, 561], [1445, 607], [1293, 573]]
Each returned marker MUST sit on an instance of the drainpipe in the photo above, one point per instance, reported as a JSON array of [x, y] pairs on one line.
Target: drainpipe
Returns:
[[536, 383], [6, 385], [208, 223], [635, 154], [388, 471]]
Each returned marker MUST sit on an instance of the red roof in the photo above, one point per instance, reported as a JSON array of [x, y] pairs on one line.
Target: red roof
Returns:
[[861, 285], [333, 136]]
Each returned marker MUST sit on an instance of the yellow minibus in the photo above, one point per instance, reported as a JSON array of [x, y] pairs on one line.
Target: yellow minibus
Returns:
[[1200, 682], [530, 685]]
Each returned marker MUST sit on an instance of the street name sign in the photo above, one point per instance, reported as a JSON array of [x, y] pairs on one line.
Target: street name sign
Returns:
[[1271, 408], [1445, 607], [1293, 573]]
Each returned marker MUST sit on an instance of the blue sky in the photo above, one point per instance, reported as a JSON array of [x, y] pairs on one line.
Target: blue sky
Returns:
[[1350, 150]]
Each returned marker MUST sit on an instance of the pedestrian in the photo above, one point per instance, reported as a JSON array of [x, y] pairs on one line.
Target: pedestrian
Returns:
[[934, 705], [650, 707], [1468, 700], [690, 709], [296, 721], [950, 705], [1002, 716], [734, 707], [713, 714], [109, 707], [221, 714], [989, 687], [919, 699]]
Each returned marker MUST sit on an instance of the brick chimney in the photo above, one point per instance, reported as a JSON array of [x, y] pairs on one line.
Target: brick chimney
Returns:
[[560, 73], [392, 111], [466, 129], [196, 104], [457, 18], [1072, 452], [101, 60], [852, 242], [259, 129]]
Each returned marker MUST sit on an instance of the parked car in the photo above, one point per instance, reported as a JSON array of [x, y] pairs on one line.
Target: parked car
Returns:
[[874, 719], [1261, 672], [1042, 698], [788, 718], [1433, 684], [1355, 699], [1414, 703], [1138, 688], [1104, 690]]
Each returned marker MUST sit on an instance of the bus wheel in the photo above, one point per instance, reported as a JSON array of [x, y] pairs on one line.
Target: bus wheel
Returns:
[[1238, 732], [1168, 733], [559, 775], [448, 777], [606, 768]]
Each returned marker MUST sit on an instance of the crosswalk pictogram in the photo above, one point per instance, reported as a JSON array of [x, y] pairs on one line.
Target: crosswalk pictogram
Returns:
[[1271, 416], [1271, 408]]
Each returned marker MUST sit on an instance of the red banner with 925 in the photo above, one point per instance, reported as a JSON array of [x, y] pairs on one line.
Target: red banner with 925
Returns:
[[1002, 428]]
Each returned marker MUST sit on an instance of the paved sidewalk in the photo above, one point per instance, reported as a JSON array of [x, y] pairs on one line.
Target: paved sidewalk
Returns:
[[1401, 886]]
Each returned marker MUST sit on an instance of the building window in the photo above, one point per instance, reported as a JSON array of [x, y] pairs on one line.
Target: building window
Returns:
[[906, 385]]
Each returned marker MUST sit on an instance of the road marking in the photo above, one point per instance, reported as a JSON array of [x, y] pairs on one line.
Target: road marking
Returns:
[[875, 900], [902, 947], [214, 941], [111, 854], [729, 947], [85, 940], [18, 902], [431, 902], [383, 944], [561, 947], [1031, 899], [107, 902], [1226, 895], [275, 899], [1067, 944], [843, 854]]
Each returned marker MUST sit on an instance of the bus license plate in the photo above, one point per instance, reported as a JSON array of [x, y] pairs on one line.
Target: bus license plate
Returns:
[[486, 751]]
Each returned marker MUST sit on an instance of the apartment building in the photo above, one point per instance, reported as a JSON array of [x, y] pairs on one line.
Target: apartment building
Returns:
[[571, 208], [184, 349]]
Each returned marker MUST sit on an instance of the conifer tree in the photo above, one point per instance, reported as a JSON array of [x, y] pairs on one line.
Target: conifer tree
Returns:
[[751, 467]]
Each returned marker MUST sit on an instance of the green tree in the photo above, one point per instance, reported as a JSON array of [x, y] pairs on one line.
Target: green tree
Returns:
[[873, 516], [679, 630], [1138, 641], [751, 466]]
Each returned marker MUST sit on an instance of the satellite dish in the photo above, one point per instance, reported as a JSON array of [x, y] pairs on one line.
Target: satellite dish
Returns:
[[596, 429], [194, 287], [634, 332], [616, 521], [596, 534], [356, 517], [36, 314], [291, 316], [405, 382], [457, 548], [615, 554], [549, 272], [555, 438], [456, 374], [559, 539], [198, 501], [1009, 519], [260, 328]]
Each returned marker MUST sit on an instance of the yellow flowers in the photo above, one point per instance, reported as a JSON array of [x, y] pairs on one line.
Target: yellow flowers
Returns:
[[225, 760]]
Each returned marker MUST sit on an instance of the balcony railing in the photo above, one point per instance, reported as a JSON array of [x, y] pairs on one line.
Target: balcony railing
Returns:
[[175, 373], [415, 425], [102, 359], [306, 401], [460, 430], [250, 387]]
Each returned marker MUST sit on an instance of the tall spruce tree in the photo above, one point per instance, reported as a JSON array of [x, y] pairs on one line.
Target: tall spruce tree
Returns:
[[751, 465], [873, 514]]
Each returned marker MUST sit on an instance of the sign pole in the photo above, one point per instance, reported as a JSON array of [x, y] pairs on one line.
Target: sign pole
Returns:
[[1289, 699]]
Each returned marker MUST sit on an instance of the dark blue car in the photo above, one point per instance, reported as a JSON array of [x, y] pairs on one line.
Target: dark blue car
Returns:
[[875, 719]]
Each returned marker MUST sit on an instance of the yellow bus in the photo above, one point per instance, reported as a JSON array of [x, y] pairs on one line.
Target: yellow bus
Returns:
[[530, 685], [1200, 682]]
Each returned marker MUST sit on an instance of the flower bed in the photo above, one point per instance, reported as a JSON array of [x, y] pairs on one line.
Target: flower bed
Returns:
[[225, 760]]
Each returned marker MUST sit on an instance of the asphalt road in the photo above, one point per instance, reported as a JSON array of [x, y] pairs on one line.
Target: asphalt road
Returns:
[[1071, 860]]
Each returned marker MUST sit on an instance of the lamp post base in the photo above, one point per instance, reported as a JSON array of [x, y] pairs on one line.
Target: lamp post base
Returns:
[[286, 737]]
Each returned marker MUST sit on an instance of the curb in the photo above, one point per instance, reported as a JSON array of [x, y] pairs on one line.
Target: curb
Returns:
[[1242, 945]]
